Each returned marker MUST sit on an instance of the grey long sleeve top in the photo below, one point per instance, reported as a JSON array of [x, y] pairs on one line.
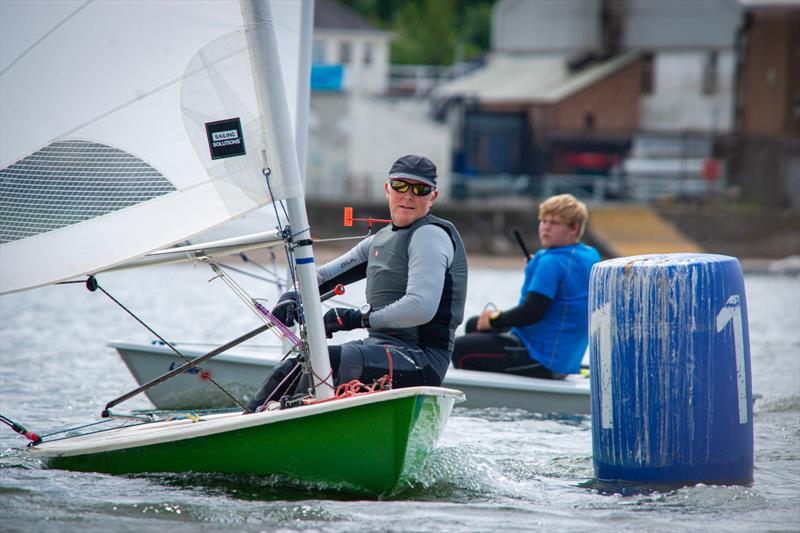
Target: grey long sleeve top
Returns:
[[430, 253]]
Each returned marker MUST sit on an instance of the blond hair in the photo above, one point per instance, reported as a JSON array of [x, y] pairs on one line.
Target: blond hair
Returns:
[[568, 208]]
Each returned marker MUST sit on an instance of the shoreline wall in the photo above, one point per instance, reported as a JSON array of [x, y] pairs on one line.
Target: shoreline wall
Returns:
[[743, 232]]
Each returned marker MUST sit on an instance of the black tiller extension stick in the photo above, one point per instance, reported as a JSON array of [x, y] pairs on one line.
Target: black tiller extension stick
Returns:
[[518, 238]]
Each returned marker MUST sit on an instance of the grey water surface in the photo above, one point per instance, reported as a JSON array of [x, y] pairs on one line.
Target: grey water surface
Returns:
[[494, 470]]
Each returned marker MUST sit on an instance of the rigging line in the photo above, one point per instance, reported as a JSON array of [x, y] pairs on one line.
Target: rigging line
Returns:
[[22, 430], [279, 328], [254, 346], [301, 319], [267, 173], [235, 287], [102, 430], [98, 422], [292, 376], [194, 363], [246, 258], [308, 229], [171, 347], [7, 421], [45, 36], [246, 273]]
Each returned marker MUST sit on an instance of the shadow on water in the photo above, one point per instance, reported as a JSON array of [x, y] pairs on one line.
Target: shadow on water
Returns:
[[629, 488], [633, 489], [257, 488], [278, 488]]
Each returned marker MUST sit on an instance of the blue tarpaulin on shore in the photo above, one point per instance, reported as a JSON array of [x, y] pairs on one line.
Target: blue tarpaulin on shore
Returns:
[[327, 77]]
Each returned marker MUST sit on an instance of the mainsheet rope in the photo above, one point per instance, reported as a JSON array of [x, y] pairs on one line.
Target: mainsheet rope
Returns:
[[355, 387]]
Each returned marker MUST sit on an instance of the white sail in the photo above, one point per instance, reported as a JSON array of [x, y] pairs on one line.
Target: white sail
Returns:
[[109, 111]]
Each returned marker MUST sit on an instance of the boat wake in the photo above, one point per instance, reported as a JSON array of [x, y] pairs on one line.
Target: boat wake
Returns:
[[777, 404], [455, 474]]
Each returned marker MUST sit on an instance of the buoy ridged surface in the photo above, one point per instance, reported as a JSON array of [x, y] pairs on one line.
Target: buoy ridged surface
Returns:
[[670, 359]]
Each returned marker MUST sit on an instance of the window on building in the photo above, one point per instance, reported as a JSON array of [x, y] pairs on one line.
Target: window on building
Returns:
[[368, 52], [345, 52], [318, 52], [648, 81], [710, 74]]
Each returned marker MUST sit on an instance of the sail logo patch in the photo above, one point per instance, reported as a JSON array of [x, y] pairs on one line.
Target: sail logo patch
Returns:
[[219, 136], [225, 138]]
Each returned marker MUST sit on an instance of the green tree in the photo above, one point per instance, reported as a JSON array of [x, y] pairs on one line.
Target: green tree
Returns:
[[431, 32]]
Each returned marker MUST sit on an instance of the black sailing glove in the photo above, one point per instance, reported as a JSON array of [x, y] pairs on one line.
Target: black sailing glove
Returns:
[[286, 308], [341, 319]]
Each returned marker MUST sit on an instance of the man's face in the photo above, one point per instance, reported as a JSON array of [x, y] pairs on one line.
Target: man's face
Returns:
[[406, 207], [554, 232]]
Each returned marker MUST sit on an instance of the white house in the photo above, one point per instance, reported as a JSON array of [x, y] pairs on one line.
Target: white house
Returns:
[[356, 131], [343, 37], [690, 62]]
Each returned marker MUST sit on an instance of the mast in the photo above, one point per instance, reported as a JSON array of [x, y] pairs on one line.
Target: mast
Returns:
[[271, 95], [304, 84]]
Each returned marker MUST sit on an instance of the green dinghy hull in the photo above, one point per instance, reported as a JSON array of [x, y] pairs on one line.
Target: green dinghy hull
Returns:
[[370, 443]]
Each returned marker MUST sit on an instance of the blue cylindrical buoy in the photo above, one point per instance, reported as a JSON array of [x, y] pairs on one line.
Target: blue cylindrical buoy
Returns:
[[670, 359]]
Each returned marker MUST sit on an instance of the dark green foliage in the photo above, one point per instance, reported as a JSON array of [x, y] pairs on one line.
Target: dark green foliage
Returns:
[[431, 32]]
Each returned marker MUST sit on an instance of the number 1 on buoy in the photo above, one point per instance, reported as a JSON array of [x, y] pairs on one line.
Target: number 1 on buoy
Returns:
[[732, 312], [601, 322]]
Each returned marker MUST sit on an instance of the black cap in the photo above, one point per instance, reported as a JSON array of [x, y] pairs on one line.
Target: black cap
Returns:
[[414, 167]]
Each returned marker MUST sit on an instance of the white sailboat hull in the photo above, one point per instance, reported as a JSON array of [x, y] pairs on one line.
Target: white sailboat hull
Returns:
[[241, 372]]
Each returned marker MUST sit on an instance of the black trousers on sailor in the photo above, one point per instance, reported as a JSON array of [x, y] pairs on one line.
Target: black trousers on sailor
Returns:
[[496, 350], [365, 360]]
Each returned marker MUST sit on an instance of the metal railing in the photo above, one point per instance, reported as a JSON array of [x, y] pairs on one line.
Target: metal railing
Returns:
[[420, 80], [594, 188]]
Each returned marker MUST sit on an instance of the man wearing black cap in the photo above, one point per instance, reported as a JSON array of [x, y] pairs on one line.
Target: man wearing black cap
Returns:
[[416, 272]]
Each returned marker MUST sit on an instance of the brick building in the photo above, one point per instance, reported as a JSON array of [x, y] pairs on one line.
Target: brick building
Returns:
[[569, 86], [769, 75]]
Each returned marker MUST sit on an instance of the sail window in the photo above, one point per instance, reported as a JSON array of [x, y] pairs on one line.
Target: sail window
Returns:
[[70, 181]]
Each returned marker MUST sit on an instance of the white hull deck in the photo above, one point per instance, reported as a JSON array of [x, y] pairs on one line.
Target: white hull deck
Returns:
[[242, 370]]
